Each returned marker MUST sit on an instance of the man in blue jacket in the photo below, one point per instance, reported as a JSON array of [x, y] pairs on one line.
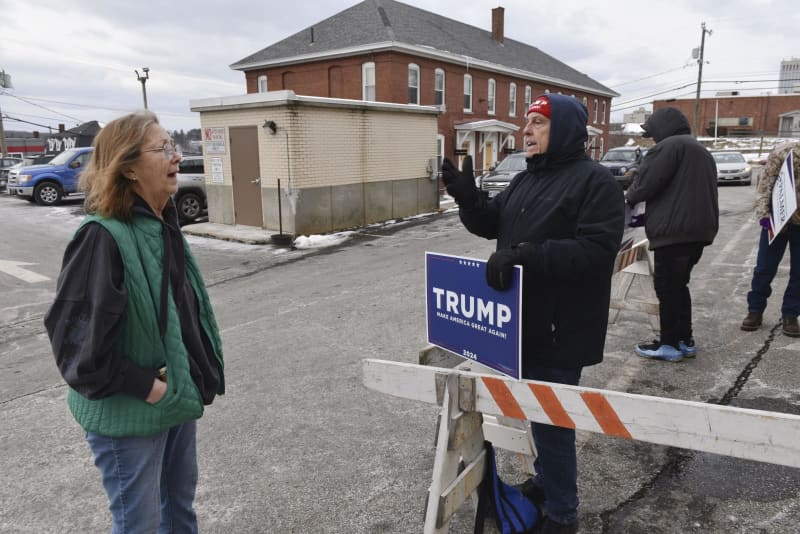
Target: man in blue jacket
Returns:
[[562, 221], [678, 183]]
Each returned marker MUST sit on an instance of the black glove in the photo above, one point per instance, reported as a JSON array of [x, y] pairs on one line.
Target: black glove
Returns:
[[460, 185], [500, 266]]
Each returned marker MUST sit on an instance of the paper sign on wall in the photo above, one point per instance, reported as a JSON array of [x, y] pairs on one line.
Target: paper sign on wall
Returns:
[[214, 140], [217, 176]]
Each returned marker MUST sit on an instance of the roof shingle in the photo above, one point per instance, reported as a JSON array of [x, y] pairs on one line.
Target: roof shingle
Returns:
[[389, 22]]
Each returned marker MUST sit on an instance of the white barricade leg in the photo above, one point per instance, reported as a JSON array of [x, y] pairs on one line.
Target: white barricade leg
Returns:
[[620, 286], [634, 265], [460, 459], [512, 435], [504, 432]]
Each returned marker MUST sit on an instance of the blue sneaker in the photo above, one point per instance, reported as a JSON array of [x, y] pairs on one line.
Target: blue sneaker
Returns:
[[657, 351], [689, 349]]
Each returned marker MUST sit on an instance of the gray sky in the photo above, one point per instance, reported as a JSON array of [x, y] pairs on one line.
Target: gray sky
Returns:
[[74, 61]]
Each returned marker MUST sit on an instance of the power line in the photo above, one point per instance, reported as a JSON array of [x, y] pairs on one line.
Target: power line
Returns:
[[616, 107], [654, 94], [29, 115], [86, 106], [120, 110], [9, 117], [41, 106], [651, 76]]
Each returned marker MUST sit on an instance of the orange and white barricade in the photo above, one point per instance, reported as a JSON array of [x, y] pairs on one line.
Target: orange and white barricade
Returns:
[[634, 264], [466, 397]]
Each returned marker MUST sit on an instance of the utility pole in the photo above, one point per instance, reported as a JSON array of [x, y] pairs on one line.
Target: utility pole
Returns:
[[5, 83], [699, 79], [143, 79]]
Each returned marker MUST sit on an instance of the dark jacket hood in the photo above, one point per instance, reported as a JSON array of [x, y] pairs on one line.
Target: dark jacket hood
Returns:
[[568, 136], [664, 123]]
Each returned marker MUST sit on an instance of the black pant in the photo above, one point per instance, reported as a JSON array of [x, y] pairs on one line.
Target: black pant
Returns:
[[671, 273]]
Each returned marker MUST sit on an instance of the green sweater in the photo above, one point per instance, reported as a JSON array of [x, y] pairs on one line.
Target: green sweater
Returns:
[[141, 247]]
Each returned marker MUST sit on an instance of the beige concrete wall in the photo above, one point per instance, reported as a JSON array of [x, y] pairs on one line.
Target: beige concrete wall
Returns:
[[330, 161], [332, 147]]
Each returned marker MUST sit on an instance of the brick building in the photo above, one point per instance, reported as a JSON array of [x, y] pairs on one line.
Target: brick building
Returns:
[[734, 115], [387, 51]]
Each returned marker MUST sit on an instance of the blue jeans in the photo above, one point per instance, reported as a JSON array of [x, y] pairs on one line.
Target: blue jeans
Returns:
[[767, 262], [556, 461], [150, 481]]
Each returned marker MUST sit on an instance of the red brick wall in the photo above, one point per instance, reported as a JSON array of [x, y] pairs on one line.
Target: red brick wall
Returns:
[[341, 78], [763, 109]]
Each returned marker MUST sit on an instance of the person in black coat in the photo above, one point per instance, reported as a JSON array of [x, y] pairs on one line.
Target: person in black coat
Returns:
[[677, 180], [562, 221]]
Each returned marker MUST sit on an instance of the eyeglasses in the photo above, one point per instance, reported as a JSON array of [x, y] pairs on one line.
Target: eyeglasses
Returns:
[[169, 150]]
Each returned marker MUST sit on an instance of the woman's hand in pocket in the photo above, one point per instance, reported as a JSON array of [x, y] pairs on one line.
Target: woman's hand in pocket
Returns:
[[157, 392]]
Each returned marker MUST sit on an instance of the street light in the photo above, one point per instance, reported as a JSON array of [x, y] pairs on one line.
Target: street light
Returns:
[[143, 79]]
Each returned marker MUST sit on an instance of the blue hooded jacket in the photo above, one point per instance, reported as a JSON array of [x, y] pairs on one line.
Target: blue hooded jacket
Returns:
[[566, 214]]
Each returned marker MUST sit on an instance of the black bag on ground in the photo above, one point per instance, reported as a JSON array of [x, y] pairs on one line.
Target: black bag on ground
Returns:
[[513, 512]]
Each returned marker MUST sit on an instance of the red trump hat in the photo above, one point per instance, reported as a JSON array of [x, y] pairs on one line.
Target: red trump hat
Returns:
[[540, 105]]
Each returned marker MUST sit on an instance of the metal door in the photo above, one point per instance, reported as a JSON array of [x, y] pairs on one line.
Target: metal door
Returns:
[[246, 176]]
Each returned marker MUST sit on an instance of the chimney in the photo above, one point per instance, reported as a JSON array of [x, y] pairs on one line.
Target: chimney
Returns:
[[498, 18], [60, 127]]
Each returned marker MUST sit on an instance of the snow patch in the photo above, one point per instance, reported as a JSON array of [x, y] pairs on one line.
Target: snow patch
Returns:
[[320, 241]]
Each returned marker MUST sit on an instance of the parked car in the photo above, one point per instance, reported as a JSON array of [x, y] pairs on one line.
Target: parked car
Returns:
[[190, 198], [5, 164], [26, 161], [732, 168], [623, 162], [47, 184], [500, 176]]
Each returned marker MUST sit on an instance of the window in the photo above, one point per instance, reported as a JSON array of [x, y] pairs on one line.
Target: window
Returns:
[[512, 100], [413, 83], [262, 84], [603, 118], [439, 150], [490, 97], [546, 91], [467, 92], [528, 97], [368, 81], [438, 87], [596, 108], [585, 103], [191, 166], [511, 143]]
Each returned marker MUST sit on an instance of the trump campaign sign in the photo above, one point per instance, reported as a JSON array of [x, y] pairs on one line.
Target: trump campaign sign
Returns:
[[784, 198], [468, 318]]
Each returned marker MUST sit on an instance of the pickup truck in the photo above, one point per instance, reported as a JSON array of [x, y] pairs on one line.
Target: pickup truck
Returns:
[[48, 184]]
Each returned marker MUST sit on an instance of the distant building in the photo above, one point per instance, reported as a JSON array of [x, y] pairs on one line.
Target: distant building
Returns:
[[789, 80], [79, 136], [391, 52], [745, 116], [25, 143], [636, 117]]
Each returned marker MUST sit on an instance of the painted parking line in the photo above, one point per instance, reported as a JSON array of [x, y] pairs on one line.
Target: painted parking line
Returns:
[[14, 268]]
